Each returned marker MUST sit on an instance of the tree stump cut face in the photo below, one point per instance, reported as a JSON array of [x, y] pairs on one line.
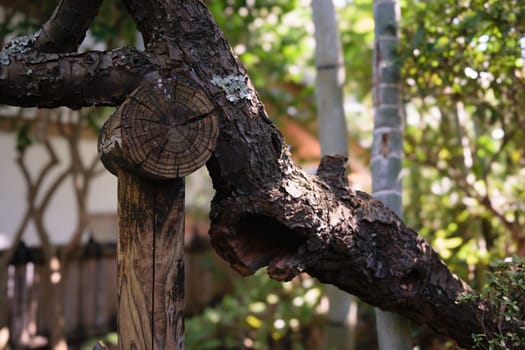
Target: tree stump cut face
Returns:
[[167, 129]]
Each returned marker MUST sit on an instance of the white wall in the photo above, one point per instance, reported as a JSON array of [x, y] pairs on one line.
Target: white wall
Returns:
[[61, 214]]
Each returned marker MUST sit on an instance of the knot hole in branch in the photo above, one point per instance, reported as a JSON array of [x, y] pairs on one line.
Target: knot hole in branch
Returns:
[[411, 282], [264, 241]]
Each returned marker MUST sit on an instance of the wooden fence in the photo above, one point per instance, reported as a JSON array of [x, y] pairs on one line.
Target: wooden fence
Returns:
[[89, 294], [90, 290]]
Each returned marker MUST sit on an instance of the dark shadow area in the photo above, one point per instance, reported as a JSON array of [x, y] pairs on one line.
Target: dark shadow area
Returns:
[[261, 239]]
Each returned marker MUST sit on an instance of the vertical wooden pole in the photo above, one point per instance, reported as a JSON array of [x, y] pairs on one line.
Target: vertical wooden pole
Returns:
[[150, 263], [20, 303], [164, 131]]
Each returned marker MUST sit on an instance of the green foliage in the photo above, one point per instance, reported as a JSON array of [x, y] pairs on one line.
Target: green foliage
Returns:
[[113, 26], [505, 296], [356, 24], [464, 79], [274, 40], [260, 314]]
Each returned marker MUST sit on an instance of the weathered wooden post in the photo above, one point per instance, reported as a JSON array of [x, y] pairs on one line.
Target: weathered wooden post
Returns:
[[20, 295], [164, 130]]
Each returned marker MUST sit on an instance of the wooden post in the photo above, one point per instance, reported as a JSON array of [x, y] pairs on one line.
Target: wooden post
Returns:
[[162, 132], [150, 263], [20, 304]]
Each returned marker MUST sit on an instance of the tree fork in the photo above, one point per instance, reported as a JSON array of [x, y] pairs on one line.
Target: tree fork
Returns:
[[266, 210]]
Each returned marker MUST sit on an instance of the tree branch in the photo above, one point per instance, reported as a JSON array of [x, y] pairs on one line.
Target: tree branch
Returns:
[[148, 16], [30, 78], [266, 211], [67, 27]]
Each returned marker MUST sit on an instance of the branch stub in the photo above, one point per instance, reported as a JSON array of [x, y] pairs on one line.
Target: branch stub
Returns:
[[165, 129]]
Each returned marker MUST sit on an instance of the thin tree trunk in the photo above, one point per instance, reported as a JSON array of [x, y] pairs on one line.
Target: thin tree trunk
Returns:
[[340, 329], [393, 330], [329, 80]]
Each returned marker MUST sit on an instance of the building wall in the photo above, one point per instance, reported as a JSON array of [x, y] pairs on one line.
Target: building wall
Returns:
[[61, 215]]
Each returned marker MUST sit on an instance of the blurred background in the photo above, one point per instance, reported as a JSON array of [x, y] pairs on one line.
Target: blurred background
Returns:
[[463, 82]]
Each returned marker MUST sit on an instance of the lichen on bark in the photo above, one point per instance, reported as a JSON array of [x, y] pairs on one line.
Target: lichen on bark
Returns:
[[234, 86]]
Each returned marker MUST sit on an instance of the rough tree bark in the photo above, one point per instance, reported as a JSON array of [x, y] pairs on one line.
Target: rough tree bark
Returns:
[[266, 211]]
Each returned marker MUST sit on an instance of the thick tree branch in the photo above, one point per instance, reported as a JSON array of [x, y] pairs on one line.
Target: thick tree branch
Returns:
[[31, 78], [148, 15], [266, 211], [348, 239], [67, 27]]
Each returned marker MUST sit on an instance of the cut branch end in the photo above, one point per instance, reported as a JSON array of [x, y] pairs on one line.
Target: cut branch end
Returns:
[[164, 130]]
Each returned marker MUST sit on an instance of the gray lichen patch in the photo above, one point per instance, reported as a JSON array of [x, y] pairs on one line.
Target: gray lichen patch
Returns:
[[234, 86], [18, 45]]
